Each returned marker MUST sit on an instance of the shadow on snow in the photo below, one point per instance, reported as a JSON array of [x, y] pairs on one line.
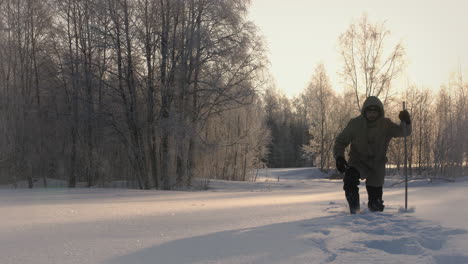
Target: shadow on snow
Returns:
[[364, 238]]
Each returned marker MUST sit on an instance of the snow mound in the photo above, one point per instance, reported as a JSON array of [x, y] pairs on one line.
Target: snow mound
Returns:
[[337, 238]]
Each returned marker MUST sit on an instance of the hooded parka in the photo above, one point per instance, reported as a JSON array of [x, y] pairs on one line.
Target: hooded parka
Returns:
[[369, 143]]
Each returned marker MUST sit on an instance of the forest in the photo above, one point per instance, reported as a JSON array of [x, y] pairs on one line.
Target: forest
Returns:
[[163, 94]]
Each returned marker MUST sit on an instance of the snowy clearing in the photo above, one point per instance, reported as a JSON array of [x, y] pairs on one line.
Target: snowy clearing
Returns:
[[302, 218]]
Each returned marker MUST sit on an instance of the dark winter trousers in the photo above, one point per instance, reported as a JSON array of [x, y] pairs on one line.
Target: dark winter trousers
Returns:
[[350, 186], [375, 198]]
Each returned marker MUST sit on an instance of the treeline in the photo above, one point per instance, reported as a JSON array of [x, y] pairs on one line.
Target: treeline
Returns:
[[155, 93], [162, 93], [438, 146], [304, 128]]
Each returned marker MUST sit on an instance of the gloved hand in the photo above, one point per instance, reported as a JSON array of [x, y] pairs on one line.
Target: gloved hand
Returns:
[[341, 164], [405, 117]]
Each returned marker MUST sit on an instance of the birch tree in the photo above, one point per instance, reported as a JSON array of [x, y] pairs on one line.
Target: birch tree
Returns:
[[369, 67], [320, 96]]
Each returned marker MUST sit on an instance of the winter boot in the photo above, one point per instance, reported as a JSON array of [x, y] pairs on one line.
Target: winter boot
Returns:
[[350, 186], [375, 203]]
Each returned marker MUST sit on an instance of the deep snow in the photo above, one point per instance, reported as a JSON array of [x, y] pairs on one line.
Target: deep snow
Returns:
[[302, 218]]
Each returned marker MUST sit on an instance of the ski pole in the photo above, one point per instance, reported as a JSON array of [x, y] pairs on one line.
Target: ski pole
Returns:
[[406, 164]]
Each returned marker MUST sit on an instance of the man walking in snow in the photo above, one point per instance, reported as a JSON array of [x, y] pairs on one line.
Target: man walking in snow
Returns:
[[369, 135]]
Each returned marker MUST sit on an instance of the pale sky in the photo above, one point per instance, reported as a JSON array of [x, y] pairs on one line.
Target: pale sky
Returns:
[[302, 33]]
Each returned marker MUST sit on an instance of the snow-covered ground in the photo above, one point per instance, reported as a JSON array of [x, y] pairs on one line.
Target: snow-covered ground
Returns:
[[302, 218]]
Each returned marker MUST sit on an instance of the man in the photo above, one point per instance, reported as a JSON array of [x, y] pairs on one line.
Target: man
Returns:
[[369, 135]]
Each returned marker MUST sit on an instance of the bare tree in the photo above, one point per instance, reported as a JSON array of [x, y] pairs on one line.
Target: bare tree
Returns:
[[421, 115], [320, 97], [367, 70], [129, 87]]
